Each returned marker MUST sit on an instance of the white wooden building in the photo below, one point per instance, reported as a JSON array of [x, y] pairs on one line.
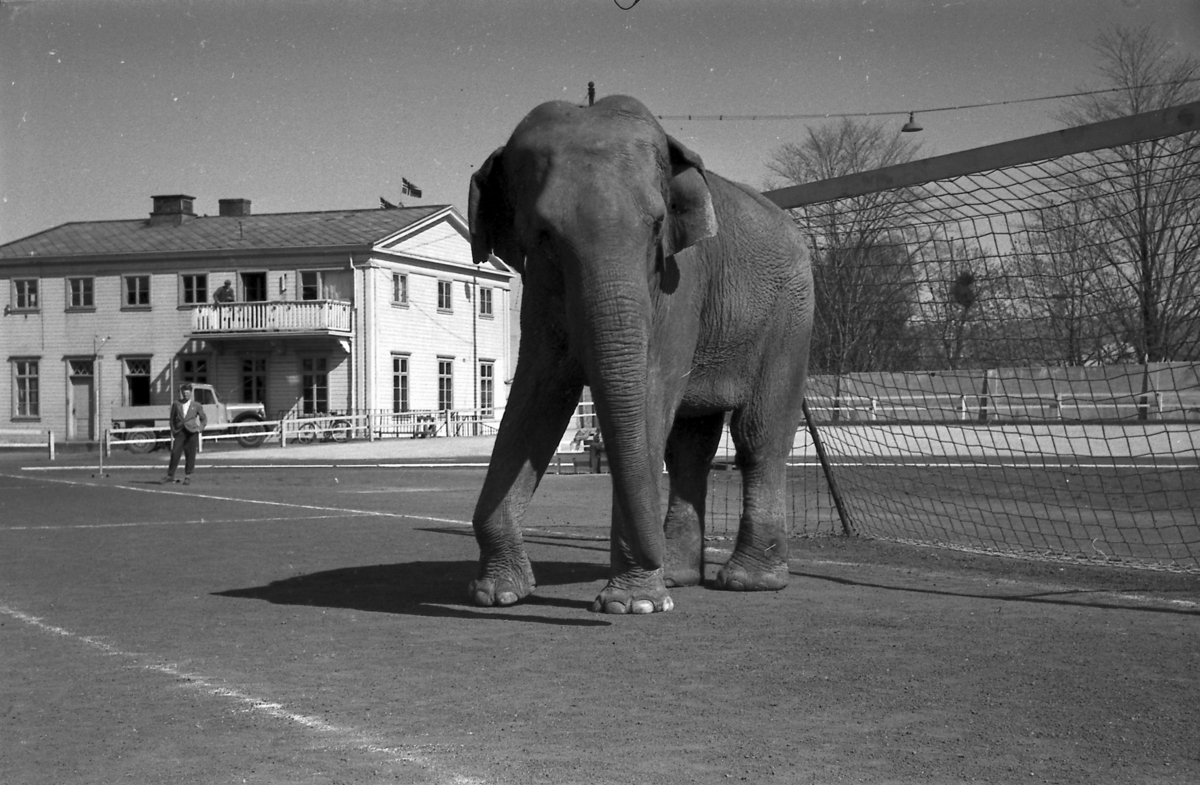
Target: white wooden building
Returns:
[[353, 310]]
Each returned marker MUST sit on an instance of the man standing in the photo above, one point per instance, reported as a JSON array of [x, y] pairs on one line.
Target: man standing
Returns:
[[187, 421]]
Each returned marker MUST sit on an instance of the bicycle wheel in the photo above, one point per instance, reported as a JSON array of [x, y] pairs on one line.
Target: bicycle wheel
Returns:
[[307, 433], [339, 431]]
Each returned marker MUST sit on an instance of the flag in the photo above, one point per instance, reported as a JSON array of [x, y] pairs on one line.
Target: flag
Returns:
[[384, 204], [409, 189]]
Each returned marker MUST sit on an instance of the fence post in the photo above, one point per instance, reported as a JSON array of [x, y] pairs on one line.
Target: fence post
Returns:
[[843, 513], [962, 408], [1143, 409], [983, 398], [50, 443]]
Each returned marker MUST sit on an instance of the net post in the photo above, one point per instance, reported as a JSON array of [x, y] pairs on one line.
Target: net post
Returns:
[[848, 528]]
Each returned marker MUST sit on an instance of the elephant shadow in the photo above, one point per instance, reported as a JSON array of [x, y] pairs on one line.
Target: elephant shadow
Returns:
[[430, 588]]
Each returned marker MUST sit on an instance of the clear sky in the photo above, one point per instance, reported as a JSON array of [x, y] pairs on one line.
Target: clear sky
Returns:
[[305, 105]]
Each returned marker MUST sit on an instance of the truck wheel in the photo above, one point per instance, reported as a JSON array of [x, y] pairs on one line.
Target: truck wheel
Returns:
[[140, 441], [251, 434], [307, 433]]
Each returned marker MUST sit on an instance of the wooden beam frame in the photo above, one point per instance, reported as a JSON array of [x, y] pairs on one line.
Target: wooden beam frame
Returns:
[[1056, 144]]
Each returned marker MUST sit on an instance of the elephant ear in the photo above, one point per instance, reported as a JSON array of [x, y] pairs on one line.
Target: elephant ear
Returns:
[[490, 216], [689, 207]]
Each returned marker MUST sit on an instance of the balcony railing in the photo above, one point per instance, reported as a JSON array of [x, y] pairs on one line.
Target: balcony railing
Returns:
[[282, 316]]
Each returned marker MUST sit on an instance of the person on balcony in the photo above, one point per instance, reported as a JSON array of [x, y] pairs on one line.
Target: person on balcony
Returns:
[[225, 294]]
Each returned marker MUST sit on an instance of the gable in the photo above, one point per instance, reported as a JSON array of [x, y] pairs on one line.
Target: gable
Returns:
[[445, 240]]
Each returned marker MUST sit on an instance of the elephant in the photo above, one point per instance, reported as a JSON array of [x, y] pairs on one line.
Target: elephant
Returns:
[[678, 297]]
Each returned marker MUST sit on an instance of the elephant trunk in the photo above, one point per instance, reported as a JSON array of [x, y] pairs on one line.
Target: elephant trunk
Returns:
[[613, 334]]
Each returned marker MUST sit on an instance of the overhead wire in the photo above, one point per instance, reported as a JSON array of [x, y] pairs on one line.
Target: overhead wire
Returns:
[[829, 115]]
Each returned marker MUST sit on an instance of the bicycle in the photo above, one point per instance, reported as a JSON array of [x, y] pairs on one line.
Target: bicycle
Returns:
[[328, 427]]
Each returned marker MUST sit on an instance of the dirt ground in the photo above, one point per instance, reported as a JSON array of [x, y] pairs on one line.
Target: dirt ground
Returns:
[[310, 625]]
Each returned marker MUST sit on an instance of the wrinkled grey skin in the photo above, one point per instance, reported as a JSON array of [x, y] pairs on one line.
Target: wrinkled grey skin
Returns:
[[677, 296]]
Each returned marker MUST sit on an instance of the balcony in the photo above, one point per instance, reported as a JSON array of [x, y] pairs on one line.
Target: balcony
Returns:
[[276, 318]]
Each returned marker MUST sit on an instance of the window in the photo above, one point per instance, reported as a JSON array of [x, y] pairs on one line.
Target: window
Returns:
[[445, 383], [254, 287], [194, 289], [26, 401], [137, 381], [137, 291], [81, 293], [315, 384], [310, 285], [193, 369], [399, 289], [399, 384], [444, 292], [254, 380], [487, 389], [81, 367], [25, 294], [485, 303]]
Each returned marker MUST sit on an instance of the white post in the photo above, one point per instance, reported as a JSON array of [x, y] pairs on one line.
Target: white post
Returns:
[[50, 443]]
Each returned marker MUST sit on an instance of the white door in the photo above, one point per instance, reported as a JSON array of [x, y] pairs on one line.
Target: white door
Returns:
[[79, 426]]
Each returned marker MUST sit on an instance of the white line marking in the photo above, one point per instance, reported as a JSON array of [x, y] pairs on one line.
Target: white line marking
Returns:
[[350, 737], [318, 508], [178, 523], [207, 466]]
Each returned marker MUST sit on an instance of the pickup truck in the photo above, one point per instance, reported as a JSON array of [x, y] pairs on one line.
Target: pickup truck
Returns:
[[151, 425]]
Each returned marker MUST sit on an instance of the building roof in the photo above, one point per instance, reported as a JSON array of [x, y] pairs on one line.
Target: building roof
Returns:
[[218, 233]]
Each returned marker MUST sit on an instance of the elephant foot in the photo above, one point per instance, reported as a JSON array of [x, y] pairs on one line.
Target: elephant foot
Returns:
[[503, 585], [646, 593], [739, 576]]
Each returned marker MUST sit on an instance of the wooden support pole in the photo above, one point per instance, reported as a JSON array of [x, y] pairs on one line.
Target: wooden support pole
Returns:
[[843, 513]]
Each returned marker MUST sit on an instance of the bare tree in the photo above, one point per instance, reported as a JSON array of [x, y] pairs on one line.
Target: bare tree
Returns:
[[862, 269], [1144, 198]]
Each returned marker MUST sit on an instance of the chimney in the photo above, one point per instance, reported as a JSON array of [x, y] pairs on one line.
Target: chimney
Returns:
[[172, 209], [234, 208]]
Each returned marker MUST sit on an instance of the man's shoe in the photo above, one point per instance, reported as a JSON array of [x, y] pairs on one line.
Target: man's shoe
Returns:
[[166, 480], [187, 480]]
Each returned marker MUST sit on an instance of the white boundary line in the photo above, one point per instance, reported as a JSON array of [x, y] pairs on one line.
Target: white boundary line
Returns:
[[314, 507], [173, 523], [971, 463], [155, 468], [345, 736]]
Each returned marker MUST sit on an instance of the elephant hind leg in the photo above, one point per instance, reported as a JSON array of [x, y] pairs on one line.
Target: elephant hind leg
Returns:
[[759, 560], [690, 449]]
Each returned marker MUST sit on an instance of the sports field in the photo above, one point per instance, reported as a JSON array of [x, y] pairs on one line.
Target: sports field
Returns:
[[302, 619]]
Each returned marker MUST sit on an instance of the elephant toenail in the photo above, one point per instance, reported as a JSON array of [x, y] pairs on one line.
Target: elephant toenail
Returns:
[[506, 598], [614, 607], [643, 606]]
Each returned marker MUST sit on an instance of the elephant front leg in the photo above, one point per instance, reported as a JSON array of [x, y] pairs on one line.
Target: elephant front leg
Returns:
[[636, 583], [533, 424]]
